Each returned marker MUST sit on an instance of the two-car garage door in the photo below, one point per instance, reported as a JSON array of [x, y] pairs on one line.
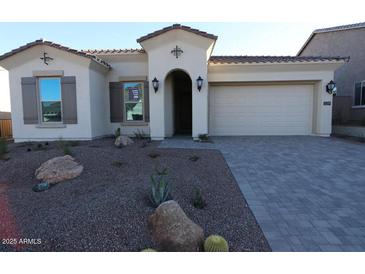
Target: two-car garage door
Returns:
[[278, 109]]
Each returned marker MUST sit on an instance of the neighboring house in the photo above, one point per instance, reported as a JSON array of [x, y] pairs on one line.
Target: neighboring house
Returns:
[[173, 85], [347, 40]]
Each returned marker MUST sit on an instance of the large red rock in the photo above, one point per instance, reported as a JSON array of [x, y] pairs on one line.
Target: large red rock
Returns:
[[172, 230]]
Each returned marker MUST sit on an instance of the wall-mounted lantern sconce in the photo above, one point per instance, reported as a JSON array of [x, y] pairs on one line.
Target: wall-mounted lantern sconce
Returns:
[[155, 84], [199, 83], [331, 88]]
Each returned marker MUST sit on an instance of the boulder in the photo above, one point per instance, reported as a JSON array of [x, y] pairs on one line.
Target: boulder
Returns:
[[123, 141], [172, 230], [59, 169]]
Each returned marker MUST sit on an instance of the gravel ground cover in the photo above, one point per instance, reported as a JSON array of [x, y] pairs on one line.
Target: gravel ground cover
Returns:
[[107, 207]]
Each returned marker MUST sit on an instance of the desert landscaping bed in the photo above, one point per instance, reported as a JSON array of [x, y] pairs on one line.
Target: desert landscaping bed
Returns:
[[107, 207]]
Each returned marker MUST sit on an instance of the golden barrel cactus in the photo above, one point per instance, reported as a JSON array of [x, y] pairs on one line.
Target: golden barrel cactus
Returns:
[[215, 243]]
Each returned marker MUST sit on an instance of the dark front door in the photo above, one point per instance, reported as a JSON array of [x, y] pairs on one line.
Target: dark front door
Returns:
[[182, 103]]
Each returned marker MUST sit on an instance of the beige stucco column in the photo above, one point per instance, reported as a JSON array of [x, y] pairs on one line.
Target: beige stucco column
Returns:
[[194, 61]]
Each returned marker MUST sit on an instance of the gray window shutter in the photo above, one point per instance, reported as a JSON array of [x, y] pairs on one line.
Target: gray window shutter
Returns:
[[30, 101], [69, 101], [116, 102], [146, 101]]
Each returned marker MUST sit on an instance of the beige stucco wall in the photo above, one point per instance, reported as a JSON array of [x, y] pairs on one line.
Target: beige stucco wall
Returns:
[[193, 61], [98, 101], [125, 66], [22, 65], [169, 107]]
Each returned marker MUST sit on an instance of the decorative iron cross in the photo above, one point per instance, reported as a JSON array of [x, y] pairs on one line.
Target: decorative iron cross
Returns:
[[177, 51], [46, 58]]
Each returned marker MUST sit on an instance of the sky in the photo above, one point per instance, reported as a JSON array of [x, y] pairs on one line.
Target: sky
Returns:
[[233, 38]]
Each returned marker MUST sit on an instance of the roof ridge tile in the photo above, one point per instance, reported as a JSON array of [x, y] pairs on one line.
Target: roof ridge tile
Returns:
[[235, 59], [177, 26], [57, 46]]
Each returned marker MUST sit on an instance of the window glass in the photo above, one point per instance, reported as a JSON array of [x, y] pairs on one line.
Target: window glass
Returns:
[[50, 96], [357, 93], [133, 101]]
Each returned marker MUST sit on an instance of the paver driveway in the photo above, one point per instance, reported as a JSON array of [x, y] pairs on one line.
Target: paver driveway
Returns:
[[307, 193]]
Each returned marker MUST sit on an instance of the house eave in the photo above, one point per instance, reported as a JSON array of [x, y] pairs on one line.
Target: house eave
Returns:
[[276, 63]]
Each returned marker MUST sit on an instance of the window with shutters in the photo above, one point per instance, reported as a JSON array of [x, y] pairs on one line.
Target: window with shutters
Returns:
[[133, 93], [50, 99]]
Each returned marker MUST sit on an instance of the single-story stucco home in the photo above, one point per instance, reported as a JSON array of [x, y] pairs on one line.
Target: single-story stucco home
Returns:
[[172, 85]]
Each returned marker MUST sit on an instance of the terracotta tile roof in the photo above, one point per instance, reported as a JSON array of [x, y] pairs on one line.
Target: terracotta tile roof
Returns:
[[176, 26], [331, 29], [57, 46], [113, 51], [272, 59]]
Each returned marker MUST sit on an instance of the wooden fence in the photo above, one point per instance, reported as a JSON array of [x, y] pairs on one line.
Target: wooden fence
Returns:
[[5, 129]]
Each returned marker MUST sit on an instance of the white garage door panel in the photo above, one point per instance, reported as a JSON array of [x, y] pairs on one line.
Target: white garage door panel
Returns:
[[261, 110]]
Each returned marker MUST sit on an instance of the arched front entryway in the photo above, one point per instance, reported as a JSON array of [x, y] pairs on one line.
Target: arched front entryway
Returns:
[[178, 103]]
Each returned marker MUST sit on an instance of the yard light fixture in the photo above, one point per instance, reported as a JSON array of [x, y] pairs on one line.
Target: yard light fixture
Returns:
[[331, 88], [155, 84], [199, 83]]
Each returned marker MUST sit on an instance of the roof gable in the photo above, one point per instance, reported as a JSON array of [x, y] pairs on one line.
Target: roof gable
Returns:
[[177, 27], [57, 46]]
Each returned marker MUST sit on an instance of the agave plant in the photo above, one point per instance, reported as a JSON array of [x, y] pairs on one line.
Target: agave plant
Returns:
[[160, 190]]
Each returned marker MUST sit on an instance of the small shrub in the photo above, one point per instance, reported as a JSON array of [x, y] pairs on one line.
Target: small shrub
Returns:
[[39, 146], [160, 190], [144, 144], [139, 134], [3, 148], [161, 172], [74, 143], [198, 200], [203, 137], [67, 150], [65, 147], [117, 164], [117, 132], [194, 158], [216, 243], [153, 155]]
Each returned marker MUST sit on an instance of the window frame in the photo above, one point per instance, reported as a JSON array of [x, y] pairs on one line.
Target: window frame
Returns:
[[362, 85], [124, 109], [40, 108]]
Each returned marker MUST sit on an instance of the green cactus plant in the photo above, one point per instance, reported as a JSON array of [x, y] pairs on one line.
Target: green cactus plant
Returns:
[[160, 190], [117, 132], [215, 243], [149, 250]]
